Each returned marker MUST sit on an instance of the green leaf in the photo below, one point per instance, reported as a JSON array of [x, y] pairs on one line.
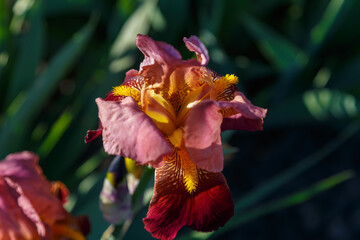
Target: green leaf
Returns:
[[87, 203], [312, 107], [281, 53], [323, 27], [285, 202], [4, 38], [56, 132], [16, 126], [287, 176], [147, 175], [138, 22], [27, 58], [325, 104]]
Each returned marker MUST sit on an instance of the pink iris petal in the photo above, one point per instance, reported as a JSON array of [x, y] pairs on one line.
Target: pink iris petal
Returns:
[[202, 136], [129, 132], [249, 117], [156, 51], [26, 199], [92, 134], [195, 45], [15, 223], [22, 169], [202, 129]]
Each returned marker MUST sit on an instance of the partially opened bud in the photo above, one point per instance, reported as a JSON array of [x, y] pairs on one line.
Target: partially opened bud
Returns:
[[115, 199], [135, 172]]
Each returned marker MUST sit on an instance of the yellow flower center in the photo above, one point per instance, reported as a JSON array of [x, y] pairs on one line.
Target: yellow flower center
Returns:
[[170, 105]]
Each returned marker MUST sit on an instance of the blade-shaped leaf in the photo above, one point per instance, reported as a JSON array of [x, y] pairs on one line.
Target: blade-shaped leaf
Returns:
[[322, 28], [27, 59], [325, 104], [281, 53], [4, 45], [14, 128], [287, 201]]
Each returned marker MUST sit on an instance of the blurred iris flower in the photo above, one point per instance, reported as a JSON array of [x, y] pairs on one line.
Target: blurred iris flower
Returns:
[[31, 207], [170, 114], [119, 185]]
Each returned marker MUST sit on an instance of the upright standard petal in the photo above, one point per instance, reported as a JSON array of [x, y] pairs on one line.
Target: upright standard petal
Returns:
[[129, 132], [195, 45], [173, 207], [160, 52], [202, 136]]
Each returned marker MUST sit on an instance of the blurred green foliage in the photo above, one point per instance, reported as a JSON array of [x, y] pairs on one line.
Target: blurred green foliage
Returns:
[[298, 58]]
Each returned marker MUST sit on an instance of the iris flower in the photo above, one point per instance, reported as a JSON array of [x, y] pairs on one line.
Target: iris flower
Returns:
[[169, 115], [31, 207]]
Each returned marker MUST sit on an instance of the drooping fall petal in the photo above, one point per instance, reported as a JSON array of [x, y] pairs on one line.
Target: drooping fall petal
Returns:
[[129, 132], [249, 117], [172, 207]]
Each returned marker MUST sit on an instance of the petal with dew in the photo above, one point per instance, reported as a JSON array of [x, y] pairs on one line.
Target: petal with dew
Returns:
[[195, 45], [128, 132], [172, 207]]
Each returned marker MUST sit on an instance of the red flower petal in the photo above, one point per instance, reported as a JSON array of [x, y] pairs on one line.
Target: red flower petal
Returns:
[[195, 45], [129, 132], [172, 207], [92, 134]]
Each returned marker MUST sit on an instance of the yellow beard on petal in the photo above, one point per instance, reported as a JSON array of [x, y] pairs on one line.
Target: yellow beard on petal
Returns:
[[223, 83], [127, 91], [185, 168]]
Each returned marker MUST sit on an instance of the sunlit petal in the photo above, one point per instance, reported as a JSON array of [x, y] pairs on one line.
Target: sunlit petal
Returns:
[[195, 45], [129, 132]]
